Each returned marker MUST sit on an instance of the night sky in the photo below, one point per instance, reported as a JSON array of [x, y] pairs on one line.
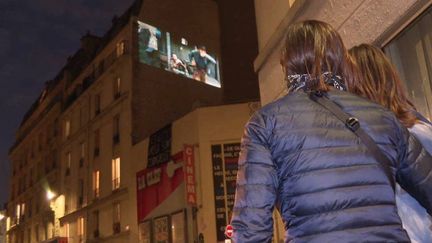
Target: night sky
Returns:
[[36, 37]]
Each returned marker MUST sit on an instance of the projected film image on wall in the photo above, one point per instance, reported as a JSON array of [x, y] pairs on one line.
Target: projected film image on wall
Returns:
[[175, 54]]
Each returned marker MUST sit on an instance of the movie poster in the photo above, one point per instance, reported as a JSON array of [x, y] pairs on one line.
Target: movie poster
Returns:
[[145, 232], [161, 229]]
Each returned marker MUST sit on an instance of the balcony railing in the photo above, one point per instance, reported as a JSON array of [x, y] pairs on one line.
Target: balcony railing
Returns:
[[116, 183], [116, 139], [96, 152], [96, 193], [116, 228], [96, 233]]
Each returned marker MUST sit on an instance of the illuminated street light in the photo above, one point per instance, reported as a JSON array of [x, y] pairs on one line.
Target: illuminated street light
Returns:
[[50, 195]]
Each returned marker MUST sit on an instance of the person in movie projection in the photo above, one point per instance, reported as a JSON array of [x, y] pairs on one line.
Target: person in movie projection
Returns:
[[149, 37], [200, 60]]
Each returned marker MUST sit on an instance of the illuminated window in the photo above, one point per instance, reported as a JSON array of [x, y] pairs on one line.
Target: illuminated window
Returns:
[[22, 209], [80, 228], [67, 230], [17, 212], [120, 48], [96, 177], [67, 128], [116, 173]]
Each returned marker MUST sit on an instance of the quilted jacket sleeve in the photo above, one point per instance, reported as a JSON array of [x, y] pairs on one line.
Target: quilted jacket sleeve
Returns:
[[257, 184], [415, 173]]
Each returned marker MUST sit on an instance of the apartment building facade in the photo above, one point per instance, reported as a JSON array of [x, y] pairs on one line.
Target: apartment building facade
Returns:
[[35, 170]]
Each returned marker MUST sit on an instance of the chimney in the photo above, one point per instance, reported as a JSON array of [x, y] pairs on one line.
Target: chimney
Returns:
[[89, 43]]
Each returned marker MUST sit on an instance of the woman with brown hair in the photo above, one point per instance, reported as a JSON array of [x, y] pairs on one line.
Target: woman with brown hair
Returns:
[[323, 175], [380, 83]]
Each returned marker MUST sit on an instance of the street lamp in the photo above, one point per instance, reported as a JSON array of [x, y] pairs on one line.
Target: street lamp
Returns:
[[50, 195]]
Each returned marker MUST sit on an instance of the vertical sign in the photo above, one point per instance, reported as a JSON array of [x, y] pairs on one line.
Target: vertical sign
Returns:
[[225, 166], [219, 191], [230, 155], [189, 172]]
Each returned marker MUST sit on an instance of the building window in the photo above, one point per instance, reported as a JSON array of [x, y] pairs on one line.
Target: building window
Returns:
[[96, 177], [96, 143], [97, 104], [40, 141], [80, 229], [82, 154], [117, 88], [37, 205], [116, 173], [30, 209], [411, 53], [17, 213], [22, 213], [31, 176], [81, 193], [29, 235], [81, 115], [68, 163], [67, 230], [37, 232], [67, 200], [116, 129], [120, 48], [116, 218], [67, 128], [33, 148], [96, 224]]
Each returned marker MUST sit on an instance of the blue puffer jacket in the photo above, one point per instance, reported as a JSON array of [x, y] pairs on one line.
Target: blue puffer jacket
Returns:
[[328, 188]]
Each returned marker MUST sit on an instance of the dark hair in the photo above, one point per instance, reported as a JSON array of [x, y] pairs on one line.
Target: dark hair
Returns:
[[202, 48], [379, 82], [314, 47]]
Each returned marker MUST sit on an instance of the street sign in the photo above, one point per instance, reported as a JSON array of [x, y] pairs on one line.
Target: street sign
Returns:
[[229, 231]]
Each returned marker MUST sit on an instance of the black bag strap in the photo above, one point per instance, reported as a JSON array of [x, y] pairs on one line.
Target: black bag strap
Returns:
[[353, 124]]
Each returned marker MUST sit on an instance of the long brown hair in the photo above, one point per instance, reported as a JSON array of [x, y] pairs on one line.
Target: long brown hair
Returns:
[[379, 82], [314, 47]]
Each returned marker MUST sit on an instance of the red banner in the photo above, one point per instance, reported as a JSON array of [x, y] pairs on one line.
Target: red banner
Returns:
[[155, 184], [189, 173]]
